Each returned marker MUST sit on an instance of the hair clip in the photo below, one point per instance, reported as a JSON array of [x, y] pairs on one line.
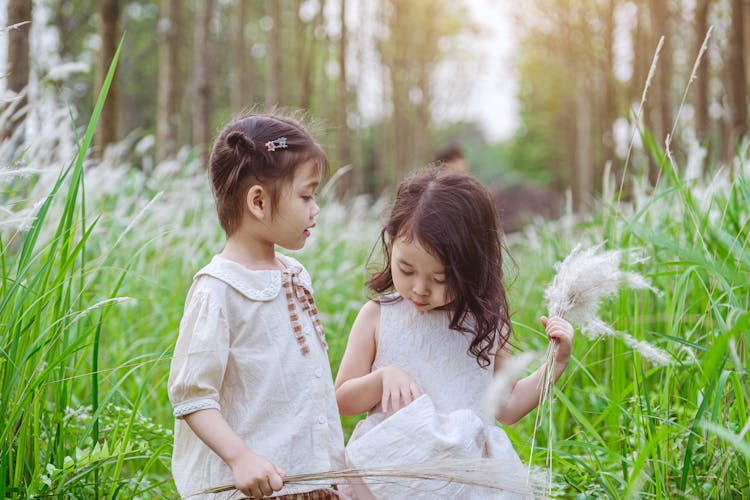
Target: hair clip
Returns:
[[279, 143]]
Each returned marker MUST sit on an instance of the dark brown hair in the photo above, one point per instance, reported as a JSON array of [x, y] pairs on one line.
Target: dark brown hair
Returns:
[[453, 218], [240, 158]]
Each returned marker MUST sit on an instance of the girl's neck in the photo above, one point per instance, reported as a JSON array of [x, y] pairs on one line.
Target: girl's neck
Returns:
[[251, 253]]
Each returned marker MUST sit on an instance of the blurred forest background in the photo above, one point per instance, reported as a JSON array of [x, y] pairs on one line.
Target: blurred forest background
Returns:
[[386, 80], [593, 113]]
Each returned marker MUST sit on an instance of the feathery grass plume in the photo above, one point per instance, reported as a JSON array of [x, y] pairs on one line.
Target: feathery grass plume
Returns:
[[583, 280], [483, 472]]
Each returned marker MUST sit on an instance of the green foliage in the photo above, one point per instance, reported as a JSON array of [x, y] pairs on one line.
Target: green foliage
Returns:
[[628, 428], [84, 412]]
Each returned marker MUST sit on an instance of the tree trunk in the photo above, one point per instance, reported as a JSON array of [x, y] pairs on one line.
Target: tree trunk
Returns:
[[17, 77], [240, 85], [660, 15], [309, 51], [109, 35], [343, 137], [736, 79], [701, 84], [203, 77], [610, 85], [641, 48], [273, 87], [583, 183], [169, 79]]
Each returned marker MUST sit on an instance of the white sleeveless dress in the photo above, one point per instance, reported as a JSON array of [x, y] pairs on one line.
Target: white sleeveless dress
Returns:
[[445, 423]]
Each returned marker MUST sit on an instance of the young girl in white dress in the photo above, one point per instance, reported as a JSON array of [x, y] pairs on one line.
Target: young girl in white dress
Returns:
[[250, 381], [438, 329]]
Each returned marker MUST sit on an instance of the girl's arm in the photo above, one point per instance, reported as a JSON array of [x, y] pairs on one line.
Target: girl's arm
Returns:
[[253, 475], [525, 393], [358, 388]]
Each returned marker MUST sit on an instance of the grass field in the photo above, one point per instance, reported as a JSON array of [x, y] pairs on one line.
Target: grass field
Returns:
[[96, 261]]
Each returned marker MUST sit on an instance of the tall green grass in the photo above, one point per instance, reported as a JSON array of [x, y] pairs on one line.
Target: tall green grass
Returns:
[[60, 431], [84, 411], [631, 429]]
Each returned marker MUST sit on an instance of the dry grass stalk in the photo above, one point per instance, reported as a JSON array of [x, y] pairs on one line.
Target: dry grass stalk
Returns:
[[693, 74], [482, 472], [638, 115]]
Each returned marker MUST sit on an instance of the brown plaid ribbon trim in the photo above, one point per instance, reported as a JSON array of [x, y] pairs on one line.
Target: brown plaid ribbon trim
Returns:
[[293, 288]]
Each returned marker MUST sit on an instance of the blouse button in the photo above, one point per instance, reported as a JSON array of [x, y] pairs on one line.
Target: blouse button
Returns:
[[318, 372], [321, 419], [306, 330]]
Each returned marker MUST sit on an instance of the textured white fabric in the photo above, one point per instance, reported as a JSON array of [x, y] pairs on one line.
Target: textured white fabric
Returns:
[[444, 423], [236, 352]]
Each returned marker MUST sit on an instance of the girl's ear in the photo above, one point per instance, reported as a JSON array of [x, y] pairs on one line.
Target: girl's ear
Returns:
[[257, 202]]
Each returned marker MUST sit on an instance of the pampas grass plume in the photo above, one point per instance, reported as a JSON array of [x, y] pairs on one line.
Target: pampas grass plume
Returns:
[[584, 279]]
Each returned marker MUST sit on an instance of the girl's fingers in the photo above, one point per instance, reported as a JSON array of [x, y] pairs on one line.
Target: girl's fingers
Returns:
[[275, 482], [415, 392], [395, 403]]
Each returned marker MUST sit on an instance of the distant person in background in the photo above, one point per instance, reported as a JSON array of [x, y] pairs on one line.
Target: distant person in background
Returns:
[[450, 159], [517, 204]]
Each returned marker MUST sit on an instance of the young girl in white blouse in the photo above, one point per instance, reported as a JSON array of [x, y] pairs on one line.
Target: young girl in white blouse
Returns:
[[421, 356], [250, 381]]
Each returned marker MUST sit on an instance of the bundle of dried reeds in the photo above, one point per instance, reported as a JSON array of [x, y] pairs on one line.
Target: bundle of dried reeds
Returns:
[[493, 474], [583, 280]]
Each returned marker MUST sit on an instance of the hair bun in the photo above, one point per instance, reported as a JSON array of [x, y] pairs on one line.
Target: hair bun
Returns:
[[237, 141]]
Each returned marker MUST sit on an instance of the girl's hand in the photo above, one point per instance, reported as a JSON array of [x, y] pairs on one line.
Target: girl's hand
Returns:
[[560, 330], [397, 386], [255, 476]]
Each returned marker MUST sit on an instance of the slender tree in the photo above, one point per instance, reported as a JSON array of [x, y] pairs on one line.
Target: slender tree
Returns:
[[701, 84], [109, 35], [307, 64], [736, 79], [273, 85], [240, 88], [203, 79], [342, 127], [609, 99], [170, 78], [17, 78], [662, 95]]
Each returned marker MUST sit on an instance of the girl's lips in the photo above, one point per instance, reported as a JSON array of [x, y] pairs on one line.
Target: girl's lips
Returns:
[[307, 232], [418, 304]]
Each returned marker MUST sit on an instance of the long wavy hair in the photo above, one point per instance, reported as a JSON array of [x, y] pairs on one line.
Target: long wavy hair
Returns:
[[453, 218]]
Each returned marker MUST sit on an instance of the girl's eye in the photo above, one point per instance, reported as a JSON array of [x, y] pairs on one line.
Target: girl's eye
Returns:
[[440, 282], [308, 197], [406, 273]]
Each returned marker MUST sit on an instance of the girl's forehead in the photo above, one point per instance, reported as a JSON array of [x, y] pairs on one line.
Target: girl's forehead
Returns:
[[408, 249], [308, 172]]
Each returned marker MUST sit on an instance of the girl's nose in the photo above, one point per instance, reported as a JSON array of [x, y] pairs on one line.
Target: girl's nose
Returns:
[[420, 288]]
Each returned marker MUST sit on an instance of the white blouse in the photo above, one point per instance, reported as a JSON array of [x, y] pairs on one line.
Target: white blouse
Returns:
[[237, 352]]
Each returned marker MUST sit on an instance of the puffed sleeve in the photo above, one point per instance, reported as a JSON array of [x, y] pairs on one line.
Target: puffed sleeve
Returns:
[[200, 356]]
